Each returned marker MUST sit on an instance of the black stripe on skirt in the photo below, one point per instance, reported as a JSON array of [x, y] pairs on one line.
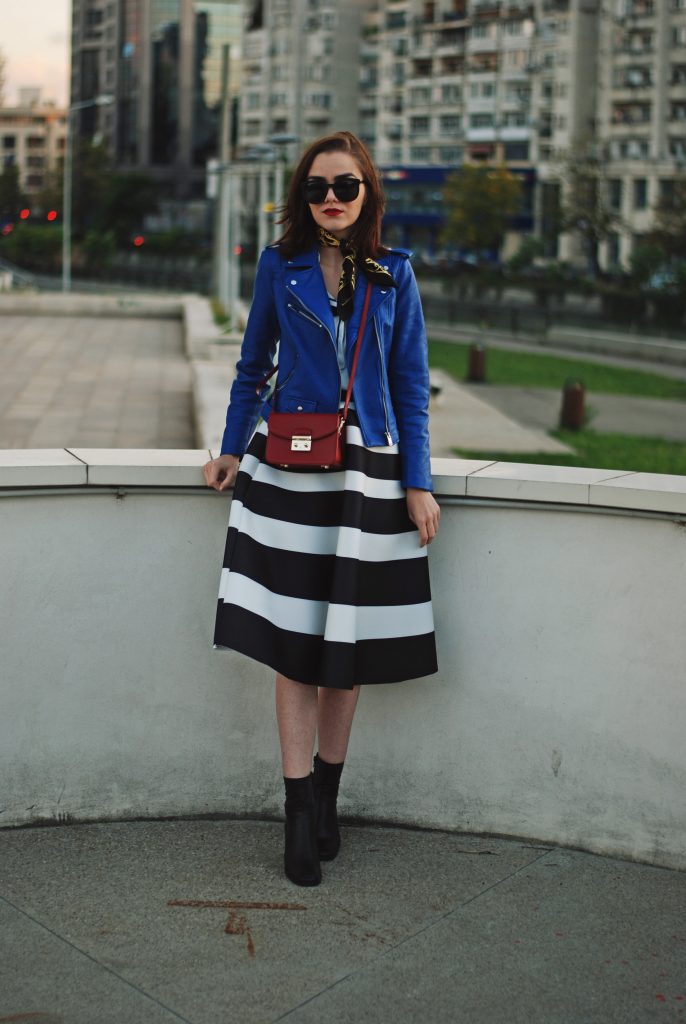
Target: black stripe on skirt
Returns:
[[323, 578]]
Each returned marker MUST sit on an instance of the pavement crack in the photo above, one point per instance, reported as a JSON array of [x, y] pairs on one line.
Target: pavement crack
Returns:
[[88, 956]]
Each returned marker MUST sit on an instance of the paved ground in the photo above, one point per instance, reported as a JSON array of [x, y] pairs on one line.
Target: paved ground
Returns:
[[124, 382], [539, 409], [145, 922], [94, 382]]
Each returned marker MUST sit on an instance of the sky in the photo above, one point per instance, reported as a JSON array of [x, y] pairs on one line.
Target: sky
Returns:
[[34, 39]]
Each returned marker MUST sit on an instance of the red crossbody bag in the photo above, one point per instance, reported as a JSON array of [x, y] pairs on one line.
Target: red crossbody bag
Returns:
[[315, 439]]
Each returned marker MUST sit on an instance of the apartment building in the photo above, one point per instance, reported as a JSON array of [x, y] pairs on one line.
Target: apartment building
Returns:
[[300, 74], [32, 138], [641, 113]]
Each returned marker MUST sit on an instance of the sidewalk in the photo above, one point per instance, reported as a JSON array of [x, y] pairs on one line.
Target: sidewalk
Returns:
[[147, 922]]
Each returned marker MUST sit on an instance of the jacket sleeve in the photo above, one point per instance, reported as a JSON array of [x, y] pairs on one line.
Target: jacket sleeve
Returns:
[[257, 359], [408, 372]]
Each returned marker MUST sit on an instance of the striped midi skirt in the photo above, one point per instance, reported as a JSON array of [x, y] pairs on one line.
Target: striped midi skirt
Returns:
[[323, 578]]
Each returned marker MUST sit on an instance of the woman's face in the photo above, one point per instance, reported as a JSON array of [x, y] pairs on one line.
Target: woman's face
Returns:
[[336, 216]]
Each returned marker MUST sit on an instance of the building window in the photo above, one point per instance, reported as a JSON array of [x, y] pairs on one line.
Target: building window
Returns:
[[396, 19], [419, 125], [481, 121], [666, 191], [613, 251], [450, 154], [517, 151], [640, 194], [450, 124], [9, 141], [615, 194], [420, 154]]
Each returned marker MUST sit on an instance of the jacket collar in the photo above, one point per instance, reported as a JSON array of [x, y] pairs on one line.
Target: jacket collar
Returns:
[[303, 277]]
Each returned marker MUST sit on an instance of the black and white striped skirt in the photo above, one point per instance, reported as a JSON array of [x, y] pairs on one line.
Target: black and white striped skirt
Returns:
[[323, 577]]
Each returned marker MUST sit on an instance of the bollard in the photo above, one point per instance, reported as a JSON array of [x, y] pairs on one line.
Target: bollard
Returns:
[[477, 363], [572, 411]]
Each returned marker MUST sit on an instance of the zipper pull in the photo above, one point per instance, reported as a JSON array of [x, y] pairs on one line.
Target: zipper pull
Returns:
[[389, 439]]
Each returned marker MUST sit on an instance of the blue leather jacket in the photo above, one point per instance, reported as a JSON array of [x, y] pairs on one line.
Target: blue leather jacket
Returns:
[[391, 388]]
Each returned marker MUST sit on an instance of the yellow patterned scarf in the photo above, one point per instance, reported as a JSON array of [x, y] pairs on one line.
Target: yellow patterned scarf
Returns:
[[372, 270]]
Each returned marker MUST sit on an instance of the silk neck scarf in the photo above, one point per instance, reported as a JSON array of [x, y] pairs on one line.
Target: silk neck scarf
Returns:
[[372, 270]]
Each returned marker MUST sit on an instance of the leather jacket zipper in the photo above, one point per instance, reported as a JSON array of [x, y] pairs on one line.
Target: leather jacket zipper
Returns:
[[314, 319], [383, 389]]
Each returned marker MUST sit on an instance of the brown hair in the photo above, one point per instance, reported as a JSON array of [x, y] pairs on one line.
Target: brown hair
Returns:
[[301, 228]]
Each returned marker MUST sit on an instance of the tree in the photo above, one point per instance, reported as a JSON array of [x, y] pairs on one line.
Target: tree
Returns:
[[103, 201], [586, 209], [12, 199], [479, 202]]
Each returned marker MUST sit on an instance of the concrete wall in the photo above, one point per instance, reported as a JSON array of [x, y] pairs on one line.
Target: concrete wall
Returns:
[[559, 712]]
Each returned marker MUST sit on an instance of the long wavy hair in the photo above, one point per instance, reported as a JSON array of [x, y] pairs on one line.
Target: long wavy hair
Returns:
[[301, 229]]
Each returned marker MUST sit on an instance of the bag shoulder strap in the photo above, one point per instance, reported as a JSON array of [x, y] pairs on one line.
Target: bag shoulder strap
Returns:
[[358, 346]]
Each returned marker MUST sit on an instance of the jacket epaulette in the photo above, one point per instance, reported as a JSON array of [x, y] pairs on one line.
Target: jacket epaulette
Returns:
[[405, 253]]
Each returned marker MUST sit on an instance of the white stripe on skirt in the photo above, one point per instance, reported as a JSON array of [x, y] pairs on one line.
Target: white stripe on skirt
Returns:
[[336, 622], [344, 541]]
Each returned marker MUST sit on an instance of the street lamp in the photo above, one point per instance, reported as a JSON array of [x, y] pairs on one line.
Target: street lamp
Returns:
[[97, 101]]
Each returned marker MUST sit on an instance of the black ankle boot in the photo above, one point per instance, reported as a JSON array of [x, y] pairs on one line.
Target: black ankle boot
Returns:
[[301, 861], [325, 782]]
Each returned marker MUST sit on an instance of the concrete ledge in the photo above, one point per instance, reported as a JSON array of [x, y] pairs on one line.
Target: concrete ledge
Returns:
[[504, 481], [558, 712]]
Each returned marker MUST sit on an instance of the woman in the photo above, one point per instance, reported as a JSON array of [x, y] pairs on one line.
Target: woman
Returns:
[[325, 574]]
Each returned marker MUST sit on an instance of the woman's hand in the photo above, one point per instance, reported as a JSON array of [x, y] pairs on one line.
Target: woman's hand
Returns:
[[221, 472], [424, 511]]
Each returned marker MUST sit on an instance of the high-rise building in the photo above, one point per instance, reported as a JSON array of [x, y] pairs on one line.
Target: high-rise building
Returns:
[[160, 61], [300, 74], [641, 113]]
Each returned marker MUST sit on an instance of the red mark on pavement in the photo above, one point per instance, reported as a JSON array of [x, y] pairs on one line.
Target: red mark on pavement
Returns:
[[680, 999], [237, 923], [26, 1016], [660, 998]]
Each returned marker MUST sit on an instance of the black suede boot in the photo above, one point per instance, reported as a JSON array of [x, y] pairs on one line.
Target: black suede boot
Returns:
[[325, 781], [301, 861]]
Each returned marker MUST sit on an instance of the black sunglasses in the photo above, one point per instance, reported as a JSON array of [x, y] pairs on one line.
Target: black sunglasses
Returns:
[[315, 190]]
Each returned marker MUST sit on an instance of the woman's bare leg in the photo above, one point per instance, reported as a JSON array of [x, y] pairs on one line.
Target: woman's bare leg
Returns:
[[296, 715], [335, 711]]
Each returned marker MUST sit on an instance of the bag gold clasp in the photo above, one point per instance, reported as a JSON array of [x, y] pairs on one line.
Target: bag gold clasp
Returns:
[[301, 443]]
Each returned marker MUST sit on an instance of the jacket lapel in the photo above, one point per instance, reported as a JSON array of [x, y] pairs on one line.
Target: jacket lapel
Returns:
[[303, 278]]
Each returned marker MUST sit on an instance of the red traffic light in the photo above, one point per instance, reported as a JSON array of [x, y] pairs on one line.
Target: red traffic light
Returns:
[[238, 250], [7, 229], [25, 214], [139, 240], [52, 214]]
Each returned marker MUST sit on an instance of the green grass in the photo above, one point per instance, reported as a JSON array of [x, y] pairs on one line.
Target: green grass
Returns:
[[601, 451], [525, 369]]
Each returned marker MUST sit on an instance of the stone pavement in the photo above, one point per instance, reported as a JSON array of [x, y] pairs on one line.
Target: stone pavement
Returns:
[[147, 922], [94, 382], [126, 377]]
